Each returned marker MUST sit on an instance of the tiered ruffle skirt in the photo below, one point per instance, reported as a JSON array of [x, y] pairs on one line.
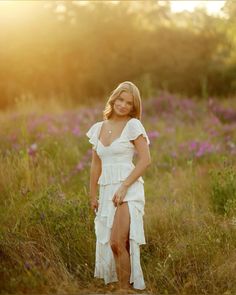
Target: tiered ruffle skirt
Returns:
[[105, 263]]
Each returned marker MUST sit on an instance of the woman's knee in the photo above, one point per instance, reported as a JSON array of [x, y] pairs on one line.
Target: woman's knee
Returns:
[[118, 247]]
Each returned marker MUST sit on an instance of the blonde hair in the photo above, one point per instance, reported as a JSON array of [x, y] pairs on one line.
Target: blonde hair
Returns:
[[131, 88]]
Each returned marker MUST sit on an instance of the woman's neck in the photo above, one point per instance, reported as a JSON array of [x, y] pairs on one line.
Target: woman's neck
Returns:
[[119, 118]]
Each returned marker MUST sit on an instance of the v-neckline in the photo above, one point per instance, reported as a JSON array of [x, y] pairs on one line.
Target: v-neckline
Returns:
[[106, 146]]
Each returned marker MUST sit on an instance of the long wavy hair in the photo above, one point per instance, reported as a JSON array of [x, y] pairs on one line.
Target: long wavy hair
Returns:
[[131, 88]]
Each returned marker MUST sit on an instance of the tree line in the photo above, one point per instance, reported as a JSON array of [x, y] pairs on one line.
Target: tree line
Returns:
[[82, 52]]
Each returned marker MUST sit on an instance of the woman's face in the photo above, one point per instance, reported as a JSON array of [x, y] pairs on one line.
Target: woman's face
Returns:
[[123, 104]]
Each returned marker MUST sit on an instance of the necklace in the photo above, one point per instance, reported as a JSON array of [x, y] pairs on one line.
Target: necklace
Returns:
[[110, 131]]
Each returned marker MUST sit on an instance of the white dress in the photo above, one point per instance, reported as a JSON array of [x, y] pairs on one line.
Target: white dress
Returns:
[[116, 166]]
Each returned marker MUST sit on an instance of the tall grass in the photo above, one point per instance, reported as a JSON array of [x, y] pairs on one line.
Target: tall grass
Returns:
[[47, 240]]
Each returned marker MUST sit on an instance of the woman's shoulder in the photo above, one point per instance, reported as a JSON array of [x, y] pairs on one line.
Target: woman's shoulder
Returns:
[[93, 128], [135, 122], [95, 125], [92, 133], [135, 128]]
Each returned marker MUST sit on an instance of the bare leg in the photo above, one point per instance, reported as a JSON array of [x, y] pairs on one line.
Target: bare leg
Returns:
[[120, 244]]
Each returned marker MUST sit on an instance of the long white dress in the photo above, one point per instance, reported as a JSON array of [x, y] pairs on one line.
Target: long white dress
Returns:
[[116, 166]]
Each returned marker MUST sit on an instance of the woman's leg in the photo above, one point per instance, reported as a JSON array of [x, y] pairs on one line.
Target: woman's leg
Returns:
[[119, 242]]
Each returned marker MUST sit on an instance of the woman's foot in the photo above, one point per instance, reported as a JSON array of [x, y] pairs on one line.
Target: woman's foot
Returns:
[[126, 289]]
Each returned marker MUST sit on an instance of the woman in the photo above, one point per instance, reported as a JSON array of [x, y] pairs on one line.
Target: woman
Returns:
[[120, 207]]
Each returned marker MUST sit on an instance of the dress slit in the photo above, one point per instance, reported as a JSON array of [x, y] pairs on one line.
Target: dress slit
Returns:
[[105, 262]]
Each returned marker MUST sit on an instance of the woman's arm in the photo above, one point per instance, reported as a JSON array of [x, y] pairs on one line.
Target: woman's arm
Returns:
[[95, 172], [144, 160]]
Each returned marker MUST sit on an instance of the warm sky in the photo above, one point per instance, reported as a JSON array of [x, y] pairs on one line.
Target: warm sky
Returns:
[[212, 7]]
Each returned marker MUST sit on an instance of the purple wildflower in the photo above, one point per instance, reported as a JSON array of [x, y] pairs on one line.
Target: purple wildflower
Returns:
[[80, 166], [205, 147], [76, 131], [32, 149], [192, 145], [153, 134]]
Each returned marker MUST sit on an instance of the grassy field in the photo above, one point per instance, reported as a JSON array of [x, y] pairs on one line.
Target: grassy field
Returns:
[[47, 239]]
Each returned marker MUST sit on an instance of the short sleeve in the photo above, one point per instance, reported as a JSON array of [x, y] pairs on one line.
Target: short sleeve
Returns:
[[92, 134], [135, 129]]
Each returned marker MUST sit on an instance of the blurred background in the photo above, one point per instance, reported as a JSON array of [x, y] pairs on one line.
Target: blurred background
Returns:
[[59, 62], [78, 51]]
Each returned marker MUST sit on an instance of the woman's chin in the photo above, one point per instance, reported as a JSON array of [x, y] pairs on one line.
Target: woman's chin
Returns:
[[122, 113]]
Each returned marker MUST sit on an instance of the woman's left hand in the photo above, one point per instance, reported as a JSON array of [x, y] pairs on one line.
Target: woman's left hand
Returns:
[[119, 195]]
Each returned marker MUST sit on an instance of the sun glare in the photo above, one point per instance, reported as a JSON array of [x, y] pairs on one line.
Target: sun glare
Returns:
[[16, 11], [212, 7]]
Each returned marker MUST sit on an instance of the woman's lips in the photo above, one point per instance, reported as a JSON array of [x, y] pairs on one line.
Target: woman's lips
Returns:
[[121, 110]]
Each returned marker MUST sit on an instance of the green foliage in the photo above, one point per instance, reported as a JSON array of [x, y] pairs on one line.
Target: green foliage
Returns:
[[69, 222], [223, 189], [82, 52], [47, 239], [170, 256], [54, 237]]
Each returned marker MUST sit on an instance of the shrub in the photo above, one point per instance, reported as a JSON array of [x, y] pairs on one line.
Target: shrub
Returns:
[[223, 189]]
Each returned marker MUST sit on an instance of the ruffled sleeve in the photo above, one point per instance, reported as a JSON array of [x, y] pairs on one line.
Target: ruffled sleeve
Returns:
[[92, 134], [135, 128]]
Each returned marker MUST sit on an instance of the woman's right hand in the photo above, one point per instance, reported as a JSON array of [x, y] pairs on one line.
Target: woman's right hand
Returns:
[[94, 204]]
